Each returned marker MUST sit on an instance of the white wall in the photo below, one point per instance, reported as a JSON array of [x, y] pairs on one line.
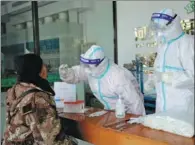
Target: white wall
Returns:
[[132, 14], [98, 26]]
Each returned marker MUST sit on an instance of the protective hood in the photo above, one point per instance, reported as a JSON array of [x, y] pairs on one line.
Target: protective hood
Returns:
[[165, 25], [174, 30], [93, 61]]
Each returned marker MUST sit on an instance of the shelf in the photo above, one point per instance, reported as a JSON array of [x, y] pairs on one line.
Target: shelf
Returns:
[[148, 68]]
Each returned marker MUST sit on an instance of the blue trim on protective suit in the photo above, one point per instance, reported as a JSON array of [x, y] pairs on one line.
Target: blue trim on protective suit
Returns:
[[164, 67], [99, 90], [107, 69], [110, 97], [107, 106], [174, 68], [96, 49]]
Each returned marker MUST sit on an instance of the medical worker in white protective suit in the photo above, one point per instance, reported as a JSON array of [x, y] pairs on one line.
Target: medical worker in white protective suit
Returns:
[[107, 80], [174, 66]]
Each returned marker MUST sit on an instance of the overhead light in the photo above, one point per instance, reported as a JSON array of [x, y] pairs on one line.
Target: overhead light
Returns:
[[40, 21], [19, 26], [62, 16], [48, 19], [29, 24]]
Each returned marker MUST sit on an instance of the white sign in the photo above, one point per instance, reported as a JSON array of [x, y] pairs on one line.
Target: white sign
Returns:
[[65, 92]]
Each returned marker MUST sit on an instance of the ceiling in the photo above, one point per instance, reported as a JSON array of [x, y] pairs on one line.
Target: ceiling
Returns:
[[5, 2]]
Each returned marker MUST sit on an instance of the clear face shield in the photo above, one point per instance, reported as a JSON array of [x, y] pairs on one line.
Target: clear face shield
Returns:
[[158, 25], [154, 35], [89, 65]]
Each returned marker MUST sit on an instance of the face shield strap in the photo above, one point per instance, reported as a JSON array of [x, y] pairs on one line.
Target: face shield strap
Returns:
[[100, 61], [171, 20], [91, 61]]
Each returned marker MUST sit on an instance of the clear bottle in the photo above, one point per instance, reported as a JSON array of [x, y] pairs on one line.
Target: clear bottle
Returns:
[[120, 109]]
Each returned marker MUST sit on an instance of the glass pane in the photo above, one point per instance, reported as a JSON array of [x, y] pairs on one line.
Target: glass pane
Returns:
[[12, 44], [66, 30]]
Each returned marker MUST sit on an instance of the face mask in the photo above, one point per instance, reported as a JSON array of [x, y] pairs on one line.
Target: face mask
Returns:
[[90, 69], [160, 38], [95, 70]]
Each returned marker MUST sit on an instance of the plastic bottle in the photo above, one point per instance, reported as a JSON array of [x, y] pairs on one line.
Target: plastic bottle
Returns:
[[120, 109]]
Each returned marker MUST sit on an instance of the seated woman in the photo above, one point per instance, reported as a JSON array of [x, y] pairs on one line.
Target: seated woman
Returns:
[[32, 118]]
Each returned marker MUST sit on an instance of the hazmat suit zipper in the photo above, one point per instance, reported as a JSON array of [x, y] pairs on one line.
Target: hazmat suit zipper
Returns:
[[99, 88], [164, 67]]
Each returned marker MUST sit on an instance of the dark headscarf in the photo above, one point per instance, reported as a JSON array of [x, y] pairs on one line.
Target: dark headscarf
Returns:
[[28, 68]]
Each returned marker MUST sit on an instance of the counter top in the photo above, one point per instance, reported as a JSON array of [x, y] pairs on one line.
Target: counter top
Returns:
[[107, 129]]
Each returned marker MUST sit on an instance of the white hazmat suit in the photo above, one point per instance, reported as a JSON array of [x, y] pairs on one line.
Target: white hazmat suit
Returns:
[[107, 80], [174, 65]]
